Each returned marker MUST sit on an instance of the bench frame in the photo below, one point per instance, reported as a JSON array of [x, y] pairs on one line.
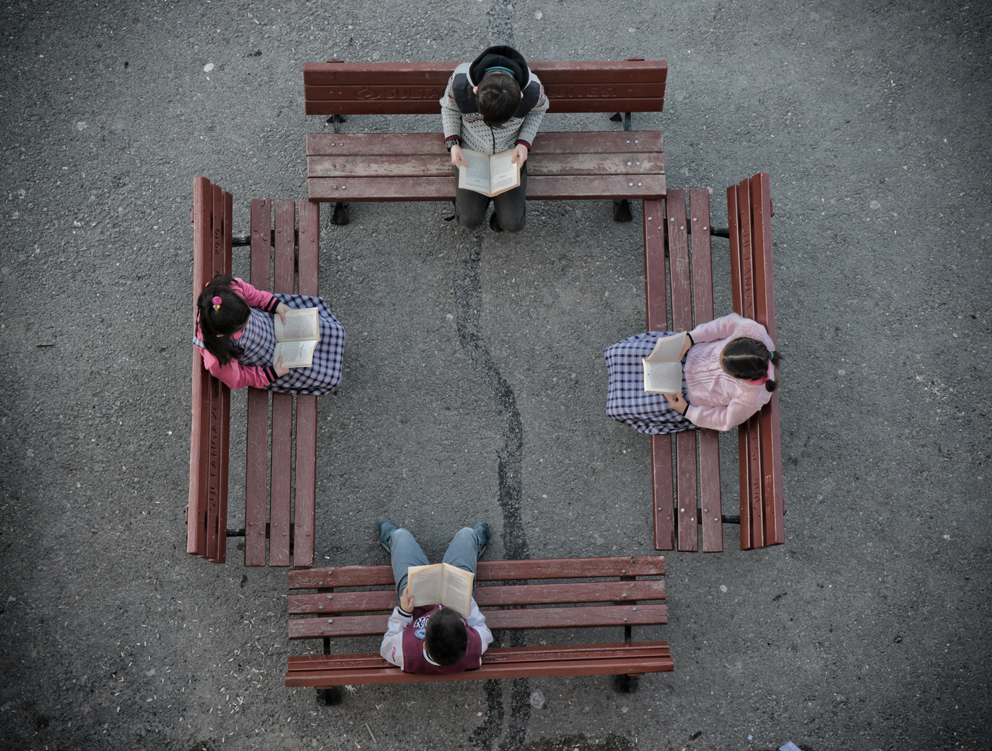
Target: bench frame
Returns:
[[270, 515], [633, 596]]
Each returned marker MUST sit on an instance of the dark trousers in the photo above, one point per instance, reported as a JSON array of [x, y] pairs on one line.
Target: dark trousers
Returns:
[[510, 207]]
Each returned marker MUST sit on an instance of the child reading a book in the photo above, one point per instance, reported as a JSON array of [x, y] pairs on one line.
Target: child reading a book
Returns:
[[728, 375], [431, 639], [491, 105], [236, 334]]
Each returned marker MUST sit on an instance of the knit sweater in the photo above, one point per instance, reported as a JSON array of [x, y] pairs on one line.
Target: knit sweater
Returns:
[[718, 400], [460, 116]]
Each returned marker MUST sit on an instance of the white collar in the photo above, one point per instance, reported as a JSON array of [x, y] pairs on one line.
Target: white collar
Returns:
[[423, 651]]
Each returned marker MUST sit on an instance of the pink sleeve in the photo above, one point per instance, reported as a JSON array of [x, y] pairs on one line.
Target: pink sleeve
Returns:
[[256, 298], [235, 375], [731, 327], [720, 418]]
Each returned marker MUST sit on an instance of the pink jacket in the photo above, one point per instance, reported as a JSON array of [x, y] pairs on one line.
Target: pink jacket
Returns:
[[720, 401], [234, 374]]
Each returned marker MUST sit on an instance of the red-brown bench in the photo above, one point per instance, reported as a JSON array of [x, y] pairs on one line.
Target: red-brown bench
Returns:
[[270, 512], [345, 168], [668, 229], [538, 594]]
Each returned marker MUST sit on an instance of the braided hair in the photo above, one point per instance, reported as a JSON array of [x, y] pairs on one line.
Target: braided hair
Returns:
[[748, 359], [218, 320]]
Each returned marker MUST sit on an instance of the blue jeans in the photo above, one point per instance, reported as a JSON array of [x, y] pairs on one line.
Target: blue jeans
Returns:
[[405, 551]]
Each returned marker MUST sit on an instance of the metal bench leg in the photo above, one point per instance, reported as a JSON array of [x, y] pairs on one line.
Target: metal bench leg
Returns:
[[621, 209], [340, 216], [329, 697]]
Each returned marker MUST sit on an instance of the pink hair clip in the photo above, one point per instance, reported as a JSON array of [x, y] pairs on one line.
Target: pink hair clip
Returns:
[[767, 377], [217, 302]]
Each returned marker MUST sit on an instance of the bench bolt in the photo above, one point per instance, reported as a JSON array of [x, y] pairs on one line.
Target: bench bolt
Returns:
[[330, 597], [330, 620], [625, 619], [320, 607]]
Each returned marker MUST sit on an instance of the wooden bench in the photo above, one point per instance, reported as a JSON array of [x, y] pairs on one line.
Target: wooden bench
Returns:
[[535, 594], [415, 167], [668, 228], [269, 508]]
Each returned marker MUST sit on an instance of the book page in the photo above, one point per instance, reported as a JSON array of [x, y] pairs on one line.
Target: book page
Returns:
[[425, 584], [300, 325], [662, 368], [503, 174], [476, 176], [295, 354], [456, 589]]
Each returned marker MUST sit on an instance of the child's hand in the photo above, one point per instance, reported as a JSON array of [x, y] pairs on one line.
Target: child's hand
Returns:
[[519, 155], [279, 369], [406, 601], [457, 157], [281, 310], [679, 404]]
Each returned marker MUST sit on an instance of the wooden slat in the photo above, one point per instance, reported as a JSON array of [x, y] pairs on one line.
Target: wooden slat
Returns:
[[399, 105], [430, 95], [489, 596], [439, 165], [428, 74], [771, 459], [539, 568], [737, 295], [685, 442], [702, 307], [512, 662], [282, 404], [256, 479], [224, 428], [662, 491], [305, 501], [564, 617], [750, 444], [495, 655], [541, 188], [431, 144], [196, 527]]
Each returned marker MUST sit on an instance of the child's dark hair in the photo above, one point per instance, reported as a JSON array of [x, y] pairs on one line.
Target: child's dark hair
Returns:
[[747, 359], [498, 97], [218, 323], [447, 637]]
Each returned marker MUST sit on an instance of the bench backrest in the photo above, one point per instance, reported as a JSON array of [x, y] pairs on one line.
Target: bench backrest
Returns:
[[340, 88], [749, 209], [206, 516], [331, 612]]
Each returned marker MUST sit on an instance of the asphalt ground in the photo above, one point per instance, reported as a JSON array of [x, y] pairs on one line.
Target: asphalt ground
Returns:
[[474, 384]]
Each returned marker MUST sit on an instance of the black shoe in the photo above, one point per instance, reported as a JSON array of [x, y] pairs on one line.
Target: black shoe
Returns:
[[494, 224]]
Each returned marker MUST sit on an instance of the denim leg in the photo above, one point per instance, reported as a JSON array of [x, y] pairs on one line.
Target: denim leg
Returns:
[[511, 207], [404, 551], [463, 550], [470, 207]]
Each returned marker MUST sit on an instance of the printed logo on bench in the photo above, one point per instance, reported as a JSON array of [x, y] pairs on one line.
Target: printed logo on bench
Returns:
[[402, 92]]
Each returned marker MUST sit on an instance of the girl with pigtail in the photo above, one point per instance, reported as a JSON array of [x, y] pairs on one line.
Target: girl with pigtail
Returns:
[[728, 373], [235, 332]]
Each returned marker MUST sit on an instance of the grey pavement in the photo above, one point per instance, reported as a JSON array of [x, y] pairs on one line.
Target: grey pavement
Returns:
[[474, 385]]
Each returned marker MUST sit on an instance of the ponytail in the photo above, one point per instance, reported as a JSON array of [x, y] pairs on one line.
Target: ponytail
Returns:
[[220, 312]]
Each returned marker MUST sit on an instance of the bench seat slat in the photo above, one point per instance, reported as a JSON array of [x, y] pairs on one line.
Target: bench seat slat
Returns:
[[489, 596], [391, 95], [303, 673], [541, 188], [551, 142], [439, 165], [493, 655], [521, 618], [539, 568]]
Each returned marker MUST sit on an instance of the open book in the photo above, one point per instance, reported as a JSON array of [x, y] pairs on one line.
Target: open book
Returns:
[[489, 175], [297, 338], [441, 583], [663, 367]]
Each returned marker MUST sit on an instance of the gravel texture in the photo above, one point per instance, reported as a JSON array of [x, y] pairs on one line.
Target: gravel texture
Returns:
[[474, 384]]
